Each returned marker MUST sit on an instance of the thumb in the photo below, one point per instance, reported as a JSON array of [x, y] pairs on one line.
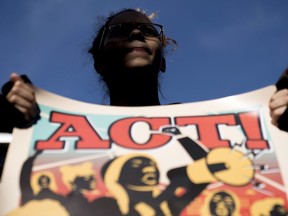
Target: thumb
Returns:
[[15, 77]]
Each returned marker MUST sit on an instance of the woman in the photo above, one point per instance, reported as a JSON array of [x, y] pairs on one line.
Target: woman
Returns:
[[128, 55]]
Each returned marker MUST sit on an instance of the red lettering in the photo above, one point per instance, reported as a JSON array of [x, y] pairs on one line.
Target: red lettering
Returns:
[[72, 126], [251, 126], [120, 133], [207, 128]]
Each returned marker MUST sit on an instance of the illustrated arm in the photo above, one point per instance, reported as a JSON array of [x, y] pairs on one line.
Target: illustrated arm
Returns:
[[25, 178], [195, 151]]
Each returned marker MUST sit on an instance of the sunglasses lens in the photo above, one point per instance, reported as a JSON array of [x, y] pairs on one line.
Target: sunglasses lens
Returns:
[[116, 31], [149, 30]]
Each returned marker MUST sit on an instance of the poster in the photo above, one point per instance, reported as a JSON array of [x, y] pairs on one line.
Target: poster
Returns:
[[217, 157]]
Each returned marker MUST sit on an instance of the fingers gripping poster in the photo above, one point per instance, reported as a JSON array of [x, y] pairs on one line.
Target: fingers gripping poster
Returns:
[[218, 157]]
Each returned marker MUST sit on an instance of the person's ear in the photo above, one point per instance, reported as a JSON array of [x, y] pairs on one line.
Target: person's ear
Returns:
[[163, 65]]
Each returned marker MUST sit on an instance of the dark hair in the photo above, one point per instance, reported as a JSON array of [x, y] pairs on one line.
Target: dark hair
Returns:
[[95, 50]]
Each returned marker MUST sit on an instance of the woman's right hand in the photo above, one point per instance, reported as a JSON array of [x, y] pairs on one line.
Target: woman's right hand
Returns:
[[22, 96]]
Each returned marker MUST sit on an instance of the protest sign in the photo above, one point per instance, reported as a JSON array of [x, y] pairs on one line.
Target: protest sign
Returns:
[[216, 157]]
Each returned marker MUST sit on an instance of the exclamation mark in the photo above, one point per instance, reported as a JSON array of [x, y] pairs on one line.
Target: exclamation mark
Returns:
[[251, 125]]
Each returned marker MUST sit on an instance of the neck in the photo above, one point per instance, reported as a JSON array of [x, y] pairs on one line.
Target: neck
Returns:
[[133, 89], [140, 196]]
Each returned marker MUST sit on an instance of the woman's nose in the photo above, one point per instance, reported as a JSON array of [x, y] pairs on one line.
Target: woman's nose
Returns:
[[136, 34]]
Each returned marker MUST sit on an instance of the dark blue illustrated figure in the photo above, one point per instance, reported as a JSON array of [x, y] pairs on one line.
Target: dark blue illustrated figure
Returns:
[[75, 202]]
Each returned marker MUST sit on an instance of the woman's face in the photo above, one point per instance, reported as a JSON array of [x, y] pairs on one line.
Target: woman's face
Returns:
[[128, 46]]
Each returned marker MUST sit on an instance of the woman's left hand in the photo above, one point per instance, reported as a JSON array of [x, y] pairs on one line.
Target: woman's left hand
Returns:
[[278, 104]]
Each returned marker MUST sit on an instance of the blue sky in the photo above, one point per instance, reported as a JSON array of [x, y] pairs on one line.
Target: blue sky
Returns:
[[225, 47]]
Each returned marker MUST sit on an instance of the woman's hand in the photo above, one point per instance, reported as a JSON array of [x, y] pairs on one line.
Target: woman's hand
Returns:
[[278, 104], [22, 97]]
